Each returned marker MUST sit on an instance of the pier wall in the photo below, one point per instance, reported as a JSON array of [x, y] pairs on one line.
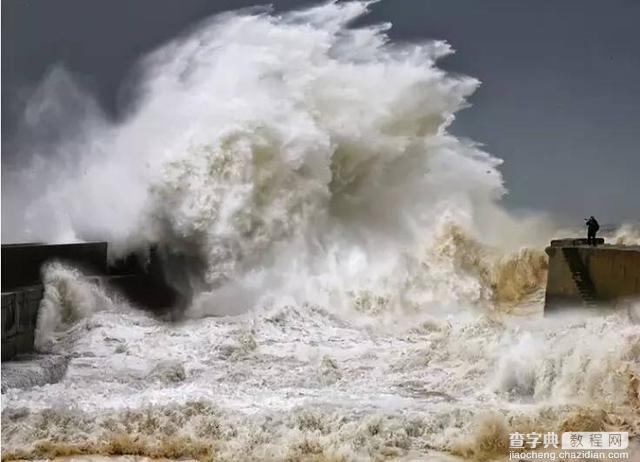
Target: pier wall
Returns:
[[140, 280], [612, 271], [21, 263], [19, 316]]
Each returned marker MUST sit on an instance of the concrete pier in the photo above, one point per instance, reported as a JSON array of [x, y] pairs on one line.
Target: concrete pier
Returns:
[[21, 263], [582, 275], [141, 281], [19, 316]]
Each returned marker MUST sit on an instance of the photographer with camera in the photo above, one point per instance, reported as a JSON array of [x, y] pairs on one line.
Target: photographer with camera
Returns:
[[592, 228]]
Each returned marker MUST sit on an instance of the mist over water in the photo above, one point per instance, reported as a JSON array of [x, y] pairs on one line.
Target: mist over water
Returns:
[[353, 253]]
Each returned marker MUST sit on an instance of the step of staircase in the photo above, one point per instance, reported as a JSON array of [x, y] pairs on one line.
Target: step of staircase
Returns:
[[580, 276]]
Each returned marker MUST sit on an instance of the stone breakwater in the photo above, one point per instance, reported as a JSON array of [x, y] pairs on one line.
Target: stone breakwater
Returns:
[[582, 275], [138, 279]]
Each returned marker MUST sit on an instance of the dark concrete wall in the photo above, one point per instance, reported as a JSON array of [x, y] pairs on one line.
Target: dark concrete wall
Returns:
[[139, 279], [141, 290], [614, 271], [19, 316], [21, 263], [22, 290]]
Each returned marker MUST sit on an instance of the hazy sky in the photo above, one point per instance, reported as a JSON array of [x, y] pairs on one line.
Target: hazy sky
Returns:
[[560, 99]]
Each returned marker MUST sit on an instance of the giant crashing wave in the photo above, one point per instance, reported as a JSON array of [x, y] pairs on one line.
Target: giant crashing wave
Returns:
[[290, 156], [301, 172]]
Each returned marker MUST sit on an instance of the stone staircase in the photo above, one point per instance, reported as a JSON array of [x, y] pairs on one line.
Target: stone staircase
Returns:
[[580, 275]]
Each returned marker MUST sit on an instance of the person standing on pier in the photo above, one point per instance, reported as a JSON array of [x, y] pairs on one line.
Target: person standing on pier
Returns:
[[592, 229]]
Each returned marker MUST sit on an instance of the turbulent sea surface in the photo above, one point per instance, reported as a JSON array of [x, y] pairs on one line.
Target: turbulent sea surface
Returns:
[[358, 292]]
